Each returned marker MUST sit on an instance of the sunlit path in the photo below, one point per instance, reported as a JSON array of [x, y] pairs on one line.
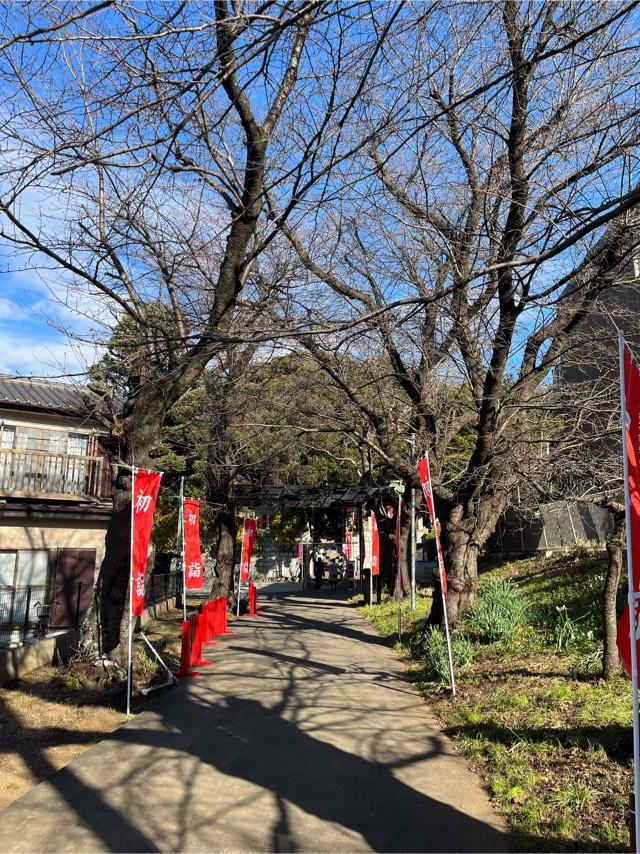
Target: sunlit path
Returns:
[[302, 736]]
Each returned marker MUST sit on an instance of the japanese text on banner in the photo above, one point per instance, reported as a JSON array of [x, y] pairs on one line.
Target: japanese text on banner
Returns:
[[145, 486], [193, 575]]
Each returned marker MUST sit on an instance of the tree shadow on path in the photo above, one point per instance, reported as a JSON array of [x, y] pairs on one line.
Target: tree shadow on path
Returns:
[[335, 786]]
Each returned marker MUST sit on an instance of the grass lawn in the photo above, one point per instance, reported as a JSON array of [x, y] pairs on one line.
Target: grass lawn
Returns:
[[553, 740]]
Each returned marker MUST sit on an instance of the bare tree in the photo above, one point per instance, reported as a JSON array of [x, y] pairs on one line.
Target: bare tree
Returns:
[[487, 221], [135, 163]]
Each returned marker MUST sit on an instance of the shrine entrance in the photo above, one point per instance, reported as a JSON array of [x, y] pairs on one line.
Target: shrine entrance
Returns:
[[343, 510]]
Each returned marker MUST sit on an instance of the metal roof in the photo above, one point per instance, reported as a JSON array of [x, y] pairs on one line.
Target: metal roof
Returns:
[[46, 395], [320, 496]]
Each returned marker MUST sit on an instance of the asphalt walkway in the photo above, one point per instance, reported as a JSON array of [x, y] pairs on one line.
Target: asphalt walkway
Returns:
[[303, 735]]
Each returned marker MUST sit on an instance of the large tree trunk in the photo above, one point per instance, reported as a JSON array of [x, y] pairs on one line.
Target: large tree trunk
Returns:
[[104, 631], [463, 535], [226, 531], [615, 551]]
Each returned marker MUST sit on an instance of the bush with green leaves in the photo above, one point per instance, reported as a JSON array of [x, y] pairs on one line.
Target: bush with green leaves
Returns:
[[499, 610], [432, 646]]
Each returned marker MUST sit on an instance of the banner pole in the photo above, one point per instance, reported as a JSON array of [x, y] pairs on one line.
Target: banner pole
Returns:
[[631, 599], [130, 664], [181, 534], [446, 629], [399, 568], [413, 530], [444, 598], [240, 576]]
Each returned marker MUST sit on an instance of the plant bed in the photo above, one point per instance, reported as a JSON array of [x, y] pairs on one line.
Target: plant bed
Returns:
[[552, 739]]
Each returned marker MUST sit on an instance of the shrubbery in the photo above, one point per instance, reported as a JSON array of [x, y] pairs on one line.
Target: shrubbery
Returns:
[[499, 610], [431, 645]]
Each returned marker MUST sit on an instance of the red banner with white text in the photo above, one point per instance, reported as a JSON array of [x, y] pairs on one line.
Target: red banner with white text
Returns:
[[427, 490], [375, 545], [248, 539], [145, 486], [632, 431], [193, 575]]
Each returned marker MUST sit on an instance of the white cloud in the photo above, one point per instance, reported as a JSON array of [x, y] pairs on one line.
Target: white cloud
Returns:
[[19, 355], [10, 310]]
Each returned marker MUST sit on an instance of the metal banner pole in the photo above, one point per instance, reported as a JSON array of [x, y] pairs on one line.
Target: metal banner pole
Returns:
[[440, 568], [240, 575], [413, 530], [130, 667], [446, 629], [181, 535], [399, 568], [631, 600]]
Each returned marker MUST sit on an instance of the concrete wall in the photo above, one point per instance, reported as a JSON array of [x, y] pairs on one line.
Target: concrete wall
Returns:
[[53, 534], [21, 660]]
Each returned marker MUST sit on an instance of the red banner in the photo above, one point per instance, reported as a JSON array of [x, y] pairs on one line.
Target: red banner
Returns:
[[347, 546], [193, 575], [375, 545], [632, 431], [427, 490], [145, 486], [248, 539]]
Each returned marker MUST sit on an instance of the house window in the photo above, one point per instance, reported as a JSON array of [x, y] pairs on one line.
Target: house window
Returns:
[[7, 568], [24, 568], [33, 568], [39, 439]]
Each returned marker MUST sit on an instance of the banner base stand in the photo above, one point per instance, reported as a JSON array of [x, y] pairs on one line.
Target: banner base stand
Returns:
[[203, 663]]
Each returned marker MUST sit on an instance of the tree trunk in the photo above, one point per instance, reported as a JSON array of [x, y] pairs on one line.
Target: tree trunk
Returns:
[[462, 536], [104, 632], [615, 551], [226, 530]]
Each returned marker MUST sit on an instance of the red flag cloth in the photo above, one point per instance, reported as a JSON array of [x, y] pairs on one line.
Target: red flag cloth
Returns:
[[427, 489], [632, 430], [375, 546], [347, 546], [193, 575], [145, 486], [248, 539]]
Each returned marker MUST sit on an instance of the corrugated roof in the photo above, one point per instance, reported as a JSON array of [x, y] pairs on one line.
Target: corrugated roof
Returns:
[[46, 394]]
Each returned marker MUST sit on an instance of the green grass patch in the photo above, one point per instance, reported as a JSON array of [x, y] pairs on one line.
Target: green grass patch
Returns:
[[553, 741]]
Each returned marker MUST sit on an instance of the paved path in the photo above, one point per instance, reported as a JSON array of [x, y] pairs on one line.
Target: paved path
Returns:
[[303, 736]]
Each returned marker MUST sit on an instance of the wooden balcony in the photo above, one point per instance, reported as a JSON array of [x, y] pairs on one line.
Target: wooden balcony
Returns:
[[46, 474]]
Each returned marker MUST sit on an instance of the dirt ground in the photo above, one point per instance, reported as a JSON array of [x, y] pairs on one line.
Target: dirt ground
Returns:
[[53, 714]]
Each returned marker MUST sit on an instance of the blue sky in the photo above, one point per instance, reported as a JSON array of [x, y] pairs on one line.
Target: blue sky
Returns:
[[32, 340]]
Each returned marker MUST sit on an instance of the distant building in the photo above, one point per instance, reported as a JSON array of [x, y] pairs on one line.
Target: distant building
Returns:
[[55, 503]]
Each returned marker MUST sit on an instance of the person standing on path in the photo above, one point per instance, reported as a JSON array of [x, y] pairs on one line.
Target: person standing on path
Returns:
[[318, 571], [333, 574]]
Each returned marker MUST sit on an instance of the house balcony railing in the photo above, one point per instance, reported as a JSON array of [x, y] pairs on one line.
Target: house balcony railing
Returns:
[[46, 474]]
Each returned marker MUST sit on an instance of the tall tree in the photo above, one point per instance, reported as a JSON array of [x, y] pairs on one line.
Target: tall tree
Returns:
[[491, 216], [135, 162]]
